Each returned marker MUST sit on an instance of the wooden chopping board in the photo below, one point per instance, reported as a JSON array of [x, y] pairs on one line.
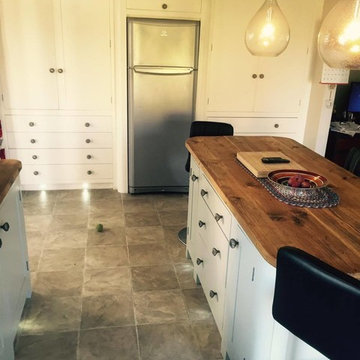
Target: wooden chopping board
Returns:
[[252, 160]]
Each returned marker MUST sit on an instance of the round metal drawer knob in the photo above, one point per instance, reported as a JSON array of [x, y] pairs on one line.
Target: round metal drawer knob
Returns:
[[52, 70], [233, 243], [212, 293], [261, 76], [194, 177], [254, 76], [89, 172], [87, 124], [34, 157], [60, 71], [201, 223], [199, 261], [276, 126], [88, 157], [203, 192], [88, 141], [218, 217], [5, 226], [215, 251], [164, 6], [33, 141], [36, 173], [31, 124]]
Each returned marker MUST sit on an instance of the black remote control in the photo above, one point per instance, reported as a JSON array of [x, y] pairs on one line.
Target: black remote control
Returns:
[[274, 160]]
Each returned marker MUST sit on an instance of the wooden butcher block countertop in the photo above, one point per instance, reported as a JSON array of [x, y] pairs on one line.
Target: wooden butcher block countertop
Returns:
[[331, 234], [9, 170]]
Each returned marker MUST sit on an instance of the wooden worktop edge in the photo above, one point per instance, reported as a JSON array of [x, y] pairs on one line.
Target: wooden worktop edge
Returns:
[[9, 171]]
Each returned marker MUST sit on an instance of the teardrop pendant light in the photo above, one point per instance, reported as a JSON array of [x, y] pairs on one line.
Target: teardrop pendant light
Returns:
[[339, 36], [268, 32]]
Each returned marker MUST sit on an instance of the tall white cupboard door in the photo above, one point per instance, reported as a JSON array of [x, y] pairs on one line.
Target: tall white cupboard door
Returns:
[[86, 59], [231, 67], [28, 36], [284, 79]]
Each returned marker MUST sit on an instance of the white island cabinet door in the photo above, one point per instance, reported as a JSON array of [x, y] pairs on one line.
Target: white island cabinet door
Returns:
[[14, 274], [248, 320], [28, 38]]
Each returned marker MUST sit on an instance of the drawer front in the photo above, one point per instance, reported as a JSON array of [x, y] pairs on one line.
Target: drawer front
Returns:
[[215, 204], [261, 125], [65, 174], [62, 156], [35, 124], [165, 5], [214, 290], [24, 140]]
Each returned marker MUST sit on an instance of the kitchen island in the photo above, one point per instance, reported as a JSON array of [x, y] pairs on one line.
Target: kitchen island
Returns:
[[14, 270], [235, 228]]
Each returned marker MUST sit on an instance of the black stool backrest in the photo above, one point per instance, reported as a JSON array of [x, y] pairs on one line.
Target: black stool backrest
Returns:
[[352, 162], [318, 303], [208, 128]]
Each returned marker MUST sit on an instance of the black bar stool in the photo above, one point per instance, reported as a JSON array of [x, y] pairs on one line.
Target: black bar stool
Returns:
[[205, 128], [318, 303]]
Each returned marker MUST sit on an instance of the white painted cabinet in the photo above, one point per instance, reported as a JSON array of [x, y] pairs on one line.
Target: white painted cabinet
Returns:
[[207, 242], [14, 273], [241, 83], [57, 91], [248, 332], [237, 281], [165, 5], [56, 54]]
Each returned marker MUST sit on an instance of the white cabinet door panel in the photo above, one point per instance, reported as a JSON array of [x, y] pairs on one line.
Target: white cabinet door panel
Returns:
[[284, 81], [29, 53], [86, 55], [231, 86]]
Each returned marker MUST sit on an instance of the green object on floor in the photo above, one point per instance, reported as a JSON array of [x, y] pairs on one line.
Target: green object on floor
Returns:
[[99, 228]]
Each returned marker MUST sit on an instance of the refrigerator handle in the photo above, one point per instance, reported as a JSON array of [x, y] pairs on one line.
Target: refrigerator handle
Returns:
[[162, 70]]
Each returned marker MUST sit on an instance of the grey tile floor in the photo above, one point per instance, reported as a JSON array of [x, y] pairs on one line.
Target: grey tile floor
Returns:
[[126, 293]]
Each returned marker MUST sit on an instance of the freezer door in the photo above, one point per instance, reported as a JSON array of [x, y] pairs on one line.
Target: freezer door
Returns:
[[162, 42], [159, 123]]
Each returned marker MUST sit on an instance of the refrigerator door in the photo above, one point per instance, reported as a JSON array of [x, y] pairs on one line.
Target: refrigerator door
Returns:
[[160, 115], [162, 42], [162, 60]]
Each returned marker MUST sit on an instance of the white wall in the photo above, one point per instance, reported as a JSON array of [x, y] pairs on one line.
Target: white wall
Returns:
[[321, 102]]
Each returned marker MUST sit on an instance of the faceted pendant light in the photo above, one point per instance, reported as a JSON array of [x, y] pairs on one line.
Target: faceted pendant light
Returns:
[[339, 36], [268, 32]]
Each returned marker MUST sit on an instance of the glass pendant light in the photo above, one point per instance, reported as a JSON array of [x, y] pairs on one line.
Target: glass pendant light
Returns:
[[268, 32], [339, 36]]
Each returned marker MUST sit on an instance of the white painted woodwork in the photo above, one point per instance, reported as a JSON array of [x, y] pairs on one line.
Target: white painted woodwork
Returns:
[[171, 5], [86, 55], [24, 140], [232, 87], [28, 37], [72, 37], [194, 174], [65, 174], [62, 156], [215, 205], [244, 283], [14, 275], [43, 123]]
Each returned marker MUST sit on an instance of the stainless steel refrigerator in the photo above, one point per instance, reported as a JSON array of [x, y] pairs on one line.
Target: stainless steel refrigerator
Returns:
[[162, 72]]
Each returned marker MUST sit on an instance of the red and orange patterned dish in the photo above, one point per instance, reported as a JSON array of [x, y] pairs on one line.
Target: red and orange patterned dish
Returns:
[[282, 177]]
